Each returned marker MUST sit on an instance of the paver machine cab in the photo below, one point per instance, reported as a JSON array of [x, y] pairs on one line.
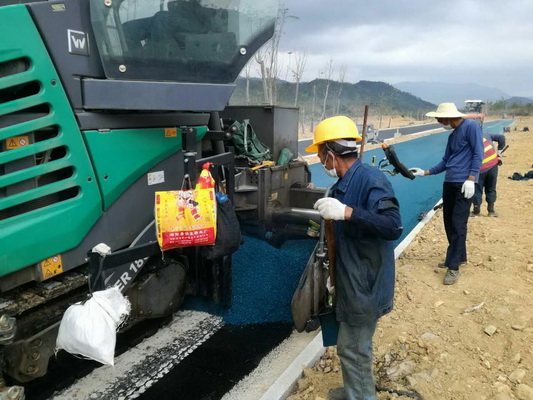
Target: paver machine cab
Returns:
[[102, 103], [474, 110]]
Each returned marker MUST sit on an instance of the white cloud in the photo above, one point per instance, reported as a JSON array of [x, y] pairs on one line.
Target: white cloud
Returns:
[[488, 42]]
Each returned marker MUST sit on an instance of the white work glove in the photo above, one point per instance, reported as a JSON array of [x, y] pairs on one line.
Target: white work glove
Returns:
[[330, 208], [331, 289], [500, 153], [468, 189], [417, 171]]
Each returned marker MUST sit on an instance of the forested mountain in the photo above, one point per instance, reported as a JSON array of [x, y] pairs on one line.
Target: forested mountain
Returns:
[[343, 98], [519, 100]]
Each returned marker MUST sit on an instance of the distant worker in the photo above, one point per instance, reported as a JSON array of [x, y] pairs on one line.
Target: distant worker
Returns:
[[488, 173], [366, 219], [461, 161]]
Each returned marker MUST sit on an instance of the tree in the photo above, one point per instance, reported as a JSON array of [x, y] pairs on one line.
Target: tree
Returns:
[[302, 120], [268, 59], [342, 75], [328, 72], [313, 108], [260, 59], [298, 71], [247, 71], [382, 104]]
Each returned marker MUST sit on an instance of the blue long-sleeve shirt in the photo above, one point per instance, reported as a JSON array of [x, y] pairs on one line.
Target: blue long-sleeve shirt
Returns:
[[364, 248], [464, 153]]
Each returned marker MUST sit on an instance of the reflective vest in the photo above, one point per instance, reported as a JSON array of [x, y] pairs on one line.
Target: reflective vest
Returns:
[[490, 157]]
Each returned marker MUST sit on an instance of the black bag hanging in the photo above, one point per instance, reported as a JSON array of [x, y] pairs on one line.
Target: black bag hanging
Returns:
[[229, 236]]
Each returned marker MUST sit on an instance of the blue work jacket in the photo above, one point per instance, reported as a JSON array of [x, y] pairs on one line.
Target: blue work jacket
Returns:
[[364, 264]]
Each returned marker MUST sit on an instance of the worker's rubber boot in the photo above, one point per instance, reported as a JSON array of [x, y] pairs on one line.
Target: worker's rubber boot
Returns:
[[337, 394], [490, 209], [451, 277], [476, 211]]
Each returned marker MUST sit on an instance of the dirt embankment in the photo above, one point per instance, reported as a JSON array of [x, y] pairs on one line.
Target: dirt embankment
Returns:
[[471, 340]]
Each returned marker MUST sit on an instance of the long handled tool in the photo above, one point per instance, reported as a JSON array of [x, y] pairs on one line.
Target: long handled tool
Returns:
[[330, 242], [365, 117], [311, 296]]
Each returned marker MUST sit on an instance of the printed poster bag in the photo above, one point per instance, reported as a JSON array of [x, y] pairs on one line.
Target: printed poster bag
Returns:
[[187, 217]]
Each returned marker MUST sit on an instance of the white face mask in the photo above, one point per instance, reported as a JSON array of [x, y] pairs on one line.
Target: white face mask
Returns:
[[330, 172]]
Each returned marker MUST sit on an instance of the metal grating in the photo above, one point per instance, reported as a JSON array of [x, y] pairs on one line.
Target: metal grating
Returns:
[[33, 157]]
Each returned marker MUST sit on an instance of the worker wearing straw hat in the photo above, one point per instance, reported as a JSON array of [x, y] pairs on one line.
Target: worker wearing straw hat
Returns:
[[461, 161]]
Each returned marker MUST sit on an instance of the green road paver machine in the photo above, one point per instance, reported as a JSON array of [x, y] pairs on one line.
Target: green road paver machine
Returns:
[[102, 103]]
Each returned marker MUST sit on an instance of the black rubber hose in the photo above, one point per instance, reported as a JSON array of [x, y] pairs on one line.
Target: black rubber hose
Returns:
[[390, 153]]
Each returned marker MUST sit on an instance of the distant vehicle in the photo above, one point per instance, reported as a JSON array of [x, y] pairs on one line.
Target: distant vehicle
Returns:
[[371, 133], [474, 110]]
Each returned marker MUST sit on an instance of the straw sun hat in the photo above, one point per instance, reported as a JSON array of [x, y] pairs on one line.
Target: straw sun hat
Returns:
[[446, 110]]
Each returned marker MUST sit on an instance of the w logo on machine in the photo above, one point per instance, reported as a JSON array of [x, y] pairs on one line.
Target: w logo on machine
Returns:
[[78, 42]]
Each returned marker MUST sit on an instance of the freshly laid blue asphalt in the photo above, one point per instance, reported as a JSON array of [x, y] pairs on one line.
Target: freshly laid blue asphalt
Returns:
[[264, 278]]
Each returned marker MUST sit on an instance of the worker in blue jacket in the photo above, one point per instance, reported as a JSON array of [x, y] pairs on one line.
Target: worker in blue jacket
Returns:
[[366, 220], [461, 161], [488, 173]]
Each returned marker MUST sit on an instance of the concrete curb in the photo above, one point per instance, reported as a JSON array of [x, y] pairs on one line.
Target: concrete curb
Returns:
[[410, 237], [284, 385], [286, 382]]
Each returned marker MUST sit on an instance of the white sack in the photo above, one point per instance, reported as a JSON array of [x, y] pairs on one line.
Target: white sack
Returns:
[[89, 329]]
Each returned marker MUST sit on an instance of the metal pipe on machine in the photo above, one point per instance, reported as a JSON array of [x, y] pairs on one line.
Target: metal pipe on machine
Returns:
[[295, 214]]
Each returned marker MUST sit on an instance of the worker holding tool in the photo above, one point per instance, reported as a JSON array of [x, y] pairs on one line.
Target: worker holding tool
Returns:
[[488, 173], [366, 218], [461, 161]]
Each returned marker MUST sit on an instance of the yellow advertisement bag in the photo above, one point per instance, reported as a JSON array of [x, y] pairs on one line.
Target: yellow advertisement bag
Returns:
[[186, 217]]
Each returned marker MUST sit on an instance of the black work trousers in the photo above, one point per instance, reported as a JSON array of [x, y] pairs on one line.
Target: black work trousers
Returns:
[[456, 210], [487, 181]]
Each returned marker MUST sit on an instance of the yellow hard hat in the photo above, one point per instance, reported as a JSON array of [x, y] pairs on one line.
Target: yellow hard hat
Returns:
[[333, 128]]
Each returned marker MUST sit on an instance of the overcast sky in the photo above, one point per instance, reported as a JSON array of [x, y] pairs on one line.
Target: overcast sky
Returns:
[[488, 42]]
